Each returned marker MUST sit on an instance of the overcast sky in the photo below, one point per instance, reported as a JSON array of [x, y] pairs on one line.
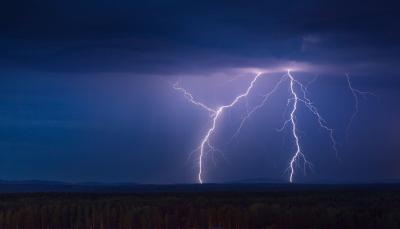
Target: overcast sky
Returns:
[[86, 89]]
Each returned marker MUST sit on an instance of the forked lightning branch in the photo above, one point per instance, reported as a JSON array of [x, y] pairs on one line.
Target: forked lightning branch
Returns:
[[298, 95]]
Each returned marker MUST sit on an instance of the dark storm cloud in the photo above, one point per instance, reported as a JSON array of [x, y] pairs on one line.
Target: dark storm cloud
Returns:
[[63, 118], [170, 37]]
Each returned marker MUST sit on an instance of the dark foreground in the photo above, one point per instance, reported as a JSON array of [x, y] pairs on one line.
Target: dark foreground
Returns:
[[366, 206]]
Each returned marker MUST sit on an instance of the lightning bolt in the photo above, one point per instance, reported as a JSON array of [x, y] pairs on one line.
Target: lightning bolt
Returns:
[[189, 97], [295, 99], [298, 154], [356, 94], [298, 95], [215, 115]]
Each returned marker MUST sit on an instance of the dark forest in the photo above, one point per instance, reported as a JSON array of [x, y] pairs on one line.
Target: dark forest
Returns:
[[300, 209]]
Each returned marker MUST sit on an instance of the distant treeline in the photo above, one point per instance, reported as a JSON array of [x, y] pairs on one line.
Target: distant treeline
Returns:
[[324, 209]]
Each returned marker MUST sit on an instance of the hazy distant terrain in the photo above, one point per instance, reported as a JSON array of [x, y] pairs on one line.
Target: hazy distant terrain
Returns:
[[32, 186]]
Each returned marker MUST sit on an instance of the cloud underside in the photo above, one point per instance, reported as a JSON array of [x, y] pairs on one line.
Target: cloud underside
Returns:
[[158, 38]]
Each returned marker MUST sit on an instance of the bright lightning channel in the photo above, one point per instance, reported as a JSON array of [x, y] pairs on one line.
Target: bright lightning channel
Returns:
[[304, 99], [295, 99], [298, 154], [215, 114], [298, 94]]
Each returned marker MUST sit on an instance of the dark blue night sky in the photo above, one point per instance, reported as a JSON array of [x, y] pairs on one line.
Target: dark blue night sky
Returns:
[[86, 89]]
